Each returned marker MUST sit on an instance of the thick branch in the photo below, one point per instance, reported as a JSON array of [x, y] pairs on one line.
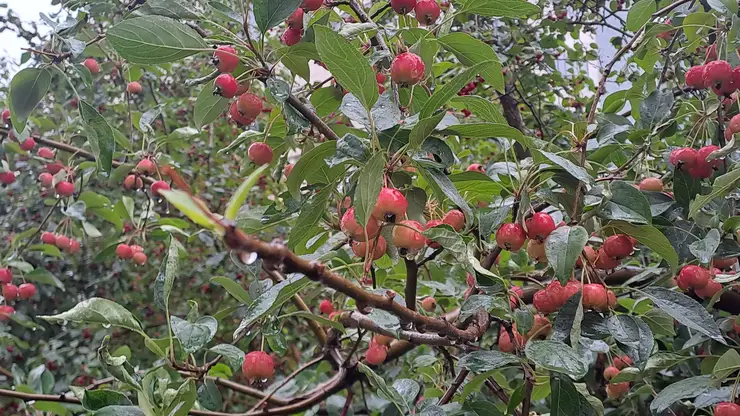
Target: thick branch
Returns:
[[454, 386], [314, 119], [412, 274]]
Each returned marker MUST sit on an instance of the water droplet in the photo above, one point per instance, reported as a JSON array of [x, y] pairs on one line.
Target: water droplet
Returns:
[[251, 259], [167, 212], [106, 326]]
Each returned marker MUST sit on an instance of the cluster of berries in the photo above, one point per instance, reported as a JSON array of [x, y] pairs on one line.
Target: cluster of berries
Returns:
[[377, 351], [258, 365], [700, 280], [553, 297], [62, 242], [294, 33], [426, 11], [616, 390], [511, 236], [12, 292], [131, 252], [540, 329], [695, 161], [145, 167], [63, 188], [717, 75]]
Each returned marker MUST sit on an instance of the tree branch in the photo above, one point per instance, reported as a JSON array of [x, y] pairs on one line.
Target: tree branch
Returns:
[[454, 386], [412, 274]]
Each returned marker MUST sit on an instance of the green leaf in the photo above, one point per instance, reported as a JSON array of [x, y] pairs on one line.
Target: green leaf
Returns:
[[385, 392], [696, 25], [481, 408], [633, 336], [447, 91], [100, 136], [562, 248], [685, 310], [347, 64], [98, 311], [555, 356], [659, 322], [169, 8], [705, 248], [233, 354], [566, 400], [484, 360], [721, 187], [309, 164], [168, 271], [639, 14], [194, 335], [726, 7], [27, 88], [485, 131], [98, 399], [326, 100], [268, 13], [208, 106], [470, 51], [423, 129], [45, 277], [569, 167], [451, 241], [656, 108], [648, 236], [233, 287], [271, 300], [40, 379], [626, 203], [500, 8], [437, 178], [310, 216], [209, 396], [154, 40], [183, 400], [240, 195], [323, 321], [683, 389], [480, 107], [369, 183], [385, 113], [727, 364], [120, 411], [195, 210]]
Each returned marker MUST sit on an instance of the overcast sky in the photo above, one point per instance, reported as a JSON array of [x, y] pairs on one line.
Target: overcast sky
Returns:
[[28, 10]]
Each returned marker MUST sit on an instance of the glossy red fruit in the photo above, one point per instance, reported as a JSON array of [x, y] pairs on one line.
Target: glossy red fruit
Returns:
[[695, 77], [6, 116], [139, 258], [476, 167], [28, 144], [137, 248], [134, 87], [46, 153], [258, 365], [48, 238], [618, 246], [610, 372], [427, 12], [702, 156], [380, 77], [26, 291], [511, 236], [260, 153], [544, 303], [311, 5], [249, 104], [391, 205], [622, 362], [407, 234], [349, 226], [709, 290], [539, 226], [146, 166], [225, 86], [6, 178], [604, 261], [590, 254], [238, 117], [64, 188], [403, 6], [326, 307], [651, 184], [727, 409], [6, 276], [692, 277], [594, 297], [726, 263], [455, 219], [225, 58], [717, 72], [54, 167], [376, 354], [62, 242], [6, 312], [504, 340], [124, 251], [361, 247], [684, 158], [611, 299], [295, 20], [407, 69], [734, 125], [92, 65], [540, 327], [536, 251], [517, 293], [291, 36], [10, 291], [429, 304], [73, 247], [159, 186], [133, 182], [616, 390], [432, 224], [46, 179]]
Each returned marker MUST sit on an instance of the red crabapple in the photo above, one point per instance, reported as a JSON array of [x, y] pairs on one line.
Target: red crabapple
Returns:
[[6, 178], [146, 166], [390, 206], [455, 219], [92, 65], [594, 297], [291, 36], [249, 105], [26, 291], [62, 242], [616, 390], [260, 153], [139, 258], [476, 167], [604, 261], [225, 86], [48, 238], [311, 5], [6, 276], [726, 409], [295, 20], [133, 182], [361, 247], [695, 77], [238, 117], [225, 58], [10, 291], [427, 12], [692, 277], [376, 354], [510, 236], [65, 189], [407, 234], [407, 69], [610, 372], [134, 87], [618, 246], [258, 365], [651, 184], [429, 304], [6, 312], [403, 6], [46, 153], [349, 226], [326, 307], [539, 226], [124, 251], [684, 158], [46, 179], [28, 144], [159, 186]]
